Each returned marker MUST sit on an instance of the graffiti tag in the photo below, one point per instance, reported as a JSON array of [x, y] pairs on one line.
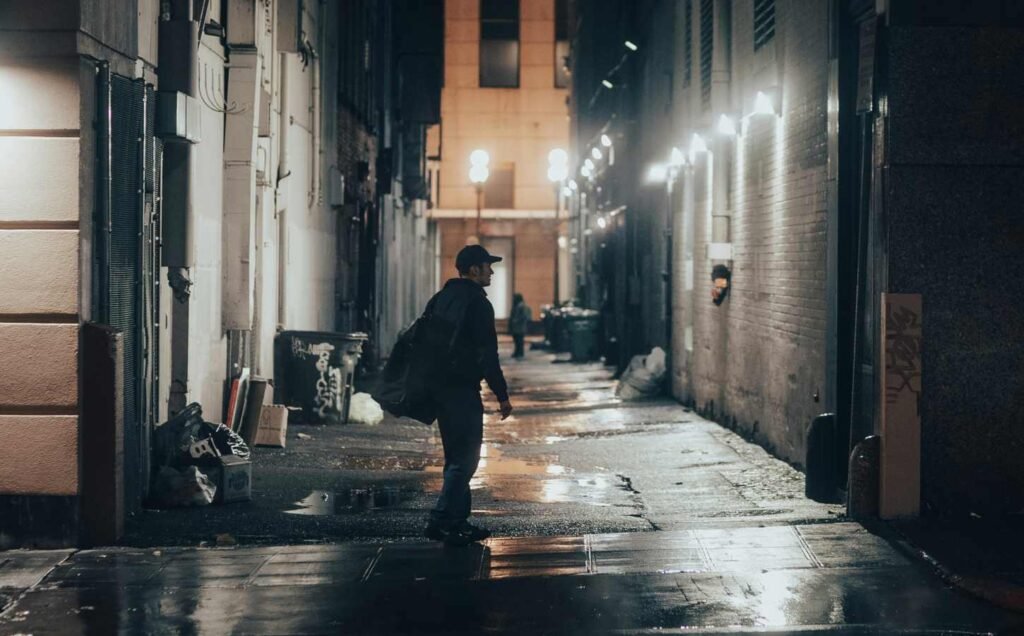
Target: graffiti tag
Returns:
[[902, 352]]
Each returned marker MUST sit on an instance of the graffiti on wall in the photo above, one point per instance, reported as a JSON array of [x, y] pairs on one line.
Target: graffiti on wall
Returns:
[[902, 351]]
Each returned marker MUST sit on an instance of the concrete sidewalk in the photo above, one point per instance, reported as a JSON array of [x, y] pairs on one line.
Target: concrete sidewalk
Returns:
[[608, 517]]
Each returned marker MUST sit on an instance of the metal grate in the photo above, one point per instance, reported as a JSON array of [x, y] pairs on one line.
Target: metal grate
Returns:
[[764, 22], [707, 46], [126, 172], [129, 222]]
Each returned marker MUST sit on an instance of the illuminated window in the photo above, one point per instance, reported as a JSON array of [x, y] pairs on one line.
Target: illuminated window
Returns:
[[499, 43], [764, 22]]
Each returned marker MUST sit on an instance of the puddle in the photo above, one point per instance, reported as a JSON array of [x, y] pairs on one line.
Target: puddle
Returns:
[[323, 502], [494, 462]]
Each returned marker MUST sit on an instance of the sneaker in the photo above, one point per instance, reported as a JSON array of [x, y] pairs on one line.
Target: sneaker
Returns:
[[475, 533], [461, 534], [434, 531]]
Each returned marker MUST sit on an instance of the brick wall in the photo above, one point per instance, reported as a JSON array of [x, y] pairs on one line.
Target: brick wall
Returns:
[[758, 360]]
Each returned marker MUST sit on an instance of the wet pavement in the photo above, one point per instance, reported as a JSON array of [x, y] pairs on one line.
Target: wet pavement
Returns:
[[573, 459], [609, 517], [813, 579]]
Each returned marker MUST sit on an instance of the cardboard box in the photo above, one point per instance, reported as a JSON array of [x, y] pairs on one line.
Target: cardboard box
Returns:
[[273, 427], [235, 479]]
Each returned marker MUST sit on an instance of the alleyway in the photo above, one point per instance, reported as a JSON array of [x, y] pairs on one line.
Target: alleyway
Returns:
[[607, 517]]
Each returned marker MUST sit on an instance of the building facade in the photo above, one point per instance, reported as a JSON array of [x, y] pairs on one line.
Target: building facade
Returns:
[[504, 93], [181, 181], [804, 153]]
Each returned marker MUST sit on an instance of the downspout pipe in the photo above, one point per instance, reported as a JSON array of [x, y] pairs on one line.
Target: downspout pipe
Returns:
[[281, 207], [177, 60]]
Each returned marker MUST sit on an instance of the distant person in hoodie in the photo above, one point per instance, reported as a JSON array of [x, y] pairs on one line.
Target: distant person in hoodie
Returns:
[[518, 322], [460, 418]]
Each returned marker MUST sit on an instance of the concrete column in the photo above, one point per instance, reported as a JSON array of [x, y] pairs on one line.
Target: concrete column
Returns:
[[44, 195], [241, 129]]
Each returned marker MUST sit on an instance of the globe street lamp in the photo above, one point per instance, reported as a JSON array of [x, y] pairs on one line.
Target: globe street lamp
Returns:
[[558, 171], [478, 173]]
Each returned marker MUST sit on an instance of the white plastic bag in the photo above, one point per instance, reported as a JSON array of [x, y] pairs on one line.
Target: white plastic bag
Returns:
[[643, 376], [364, 410]]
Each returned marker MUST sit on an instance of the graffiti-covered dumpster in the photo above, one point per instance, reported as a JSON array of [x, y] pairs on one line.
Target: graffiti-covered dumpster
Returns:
[[315, 371]]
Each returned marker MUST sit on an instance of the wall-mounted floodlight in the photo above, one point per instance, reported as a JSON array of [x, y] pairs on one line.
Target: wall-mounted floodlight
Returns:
[[631, 46], [726, 126], [606, 141], [697, 144], [563, 242], [763, 104], [607, 84], [596, 154], [658, 173]]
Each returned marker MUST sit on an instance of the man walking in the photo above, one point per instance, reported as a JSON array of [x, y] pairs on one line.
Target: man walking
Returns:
[[460, 411], [518, 323]]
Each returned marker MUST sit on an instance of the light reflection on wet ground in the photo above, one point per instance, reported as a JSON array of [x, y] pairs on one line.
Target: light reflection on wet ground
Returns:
[[727, 563], [821, 579], [322, 502]]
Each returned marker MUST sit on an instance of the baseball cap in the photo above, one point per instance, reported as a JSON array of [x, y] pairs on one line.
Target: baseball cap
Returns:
[[474, 255]]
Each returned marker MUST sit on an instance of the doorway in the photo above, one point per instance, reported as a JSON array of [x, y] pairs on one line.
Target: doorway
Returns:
[[503, 281], [860, 253]]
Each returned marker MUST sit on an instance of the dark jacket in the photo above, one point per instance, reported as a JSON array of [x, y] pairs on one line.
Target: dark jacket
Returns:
[[475, 351], [519, 320]]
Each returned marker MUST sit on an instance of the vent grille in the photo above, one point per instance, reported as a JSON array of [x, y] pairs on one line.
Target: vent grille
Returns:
[[707, 44], [688, 43], [764, 22]]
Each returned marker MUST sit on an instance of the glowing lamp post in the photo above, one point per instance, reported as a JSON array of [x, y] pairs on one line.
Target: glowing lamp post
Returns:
[[558, 172], [478, 173]]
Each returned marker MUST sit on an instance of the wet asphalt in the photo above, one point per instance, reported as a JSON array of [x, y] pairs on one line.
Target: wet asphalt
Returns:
[[608, 517]]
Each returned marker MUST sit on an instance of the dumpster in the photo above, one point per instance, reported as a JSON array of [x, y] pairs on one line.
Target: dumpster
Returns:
[[315, 371], [582, 326]]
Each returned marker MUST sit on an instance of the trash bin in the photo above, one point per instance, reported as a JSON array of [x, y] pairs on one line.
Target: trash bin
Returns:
[[549, 315], [315, 371], [582, 326]]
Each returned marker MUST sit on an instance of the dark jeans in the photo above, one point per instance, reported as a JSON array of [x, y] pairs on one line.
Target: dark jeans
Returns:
[[518, 338], [461, 420]]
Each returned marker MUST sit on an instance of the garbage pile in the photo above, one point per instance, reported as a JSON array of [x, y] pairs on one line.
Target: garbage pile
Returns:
[[643, 378], [364, 410], [197, 462]]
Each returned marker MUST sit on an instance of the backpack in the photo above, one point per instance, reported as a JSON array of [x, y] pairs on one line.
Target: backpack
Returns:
[[420, 363]]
